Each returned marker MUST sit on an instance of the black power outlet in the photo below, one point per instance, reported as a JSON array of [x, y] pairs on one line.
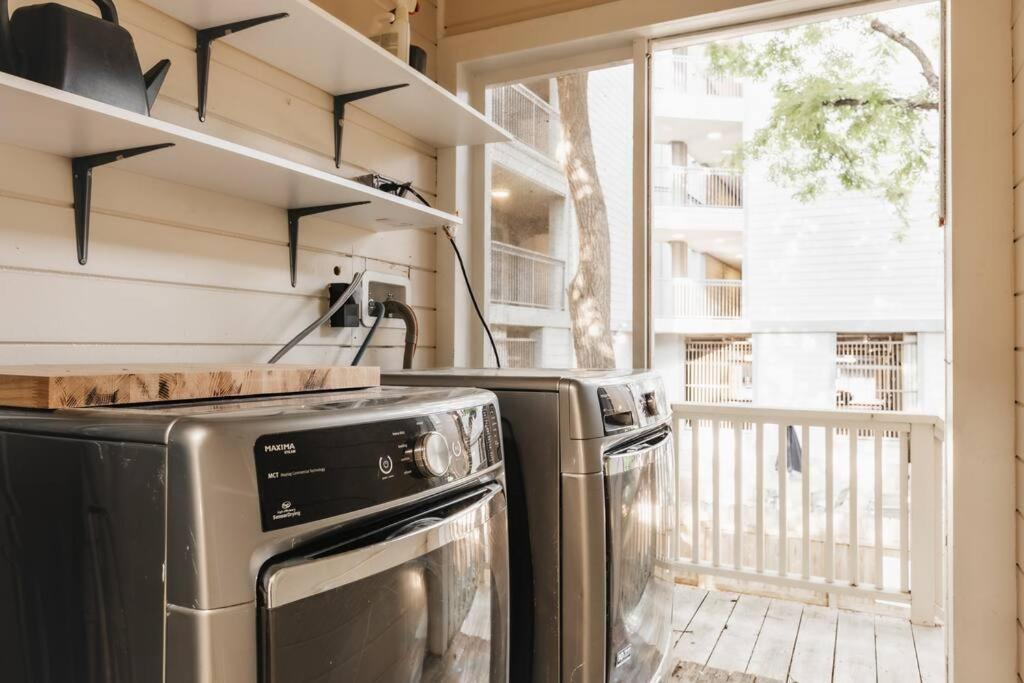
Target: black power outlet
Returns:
[[347, 315]]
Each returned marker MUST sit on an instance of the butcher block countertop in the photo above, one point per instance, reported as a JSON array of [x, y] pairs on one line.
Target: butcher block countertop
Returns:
[[83, 386]]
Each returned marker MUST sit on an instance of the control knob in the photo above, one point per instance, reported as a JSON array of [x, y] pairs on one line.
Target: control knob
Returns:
[[431, 455]]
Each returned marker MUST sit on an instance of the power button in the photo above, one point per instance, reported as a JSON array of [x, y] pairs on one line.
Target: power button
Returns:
[[386, 465]]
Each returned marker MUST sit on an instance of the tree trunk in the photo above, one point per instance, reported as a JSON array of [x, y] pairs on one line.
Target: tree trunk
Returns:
[[590, 291]]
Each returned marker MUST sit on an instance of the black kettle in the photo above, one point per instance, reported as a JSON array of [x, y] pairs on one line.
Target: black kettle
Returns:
[[77, 52]]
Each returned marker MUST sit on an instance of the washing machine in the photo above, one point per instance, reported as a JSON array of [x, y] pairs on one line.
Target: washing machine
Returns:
[[356, 536], [589, 459]]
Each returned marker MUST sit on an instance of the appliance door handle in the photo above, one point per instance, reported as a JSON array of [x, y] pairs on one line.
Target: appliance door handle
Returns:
[[632, 454], [652, 440], [304, 578]]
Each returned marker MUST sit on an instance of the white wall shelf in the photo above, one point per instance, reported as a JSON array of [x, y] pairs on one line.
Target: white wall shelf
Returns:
[[45, 119], [313, 45]]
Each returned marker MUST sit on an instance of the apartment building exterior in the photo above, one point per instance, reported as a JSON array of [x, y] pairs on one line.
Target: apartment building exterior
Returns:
[[534, 241], [843, 296]]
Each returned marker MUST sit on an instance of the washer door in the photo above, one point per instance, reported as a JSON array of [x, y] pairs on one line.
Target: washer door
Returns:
[[638, 477], [422, 600]]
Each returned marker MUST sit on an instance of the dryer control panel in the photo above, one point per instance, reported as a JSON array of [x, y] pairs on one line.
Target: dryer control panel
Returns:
[[312, 475]]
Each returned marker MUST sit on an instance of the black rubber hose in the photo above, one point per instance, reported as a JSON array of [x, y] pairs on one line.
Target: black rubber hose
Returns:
[[472, 297], [369, 335], [412, 328]]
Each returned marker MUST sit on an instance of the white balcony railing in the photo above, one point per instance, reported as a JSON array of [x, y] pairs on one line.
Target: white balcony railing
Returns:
[[517, 352], [691, 75], [520, 277], [704, 186], [527, 117], [683, 298], [829, 501]]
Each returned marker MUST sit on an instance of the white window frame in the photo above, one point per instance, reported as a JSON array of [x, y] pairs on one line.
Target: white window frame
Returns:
[[982, 626], [637, 53]]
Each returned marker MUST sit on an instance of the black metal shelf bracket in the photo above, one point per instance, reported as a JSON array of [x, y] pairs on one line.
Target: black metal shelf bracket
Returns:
[[204, 42], [294, 215], [81, 184], [341, 101]]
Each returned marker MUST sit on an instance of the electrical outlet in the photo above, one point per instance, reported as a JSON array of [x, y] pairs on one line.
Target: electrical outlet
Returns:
[[347, 315], [378, 288]]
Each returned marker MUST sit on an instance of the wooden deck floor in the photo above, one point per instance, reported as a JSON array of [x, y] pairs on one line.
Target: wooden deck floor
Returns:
[[723, 636]]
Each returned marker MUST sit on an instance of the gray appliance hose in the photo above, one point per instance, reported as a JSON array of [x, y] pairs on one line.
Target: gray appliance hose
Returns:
[[342, 300], [412, 328]]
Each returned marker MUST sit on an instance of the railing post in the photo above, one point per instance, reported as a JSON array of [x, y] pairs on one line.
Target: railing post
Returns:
[[924, 517]]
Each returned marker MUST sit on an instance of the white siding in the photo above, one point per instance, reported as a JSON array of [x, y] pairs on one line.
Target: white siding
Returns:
[[611, 120], [178, 273], [844, 257], [840, 259]]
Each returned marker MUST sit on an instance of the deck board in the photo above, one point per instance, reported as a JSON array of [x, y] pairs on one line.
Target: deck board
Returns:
[[893, 642], [686, 602], [774, 649], [701, 636], [931, 653], [736, 644], [815, 649], [855, 648], [691, 672], [724, 637]]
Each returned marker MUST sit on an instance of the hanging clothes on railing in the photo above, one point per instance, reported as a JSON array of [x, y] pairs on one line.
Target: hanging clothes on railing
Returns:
[[794, 452]]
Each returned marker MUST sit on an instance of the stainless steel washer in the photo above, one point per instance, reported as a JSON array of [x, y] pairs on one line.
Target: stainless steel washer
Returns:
[[349, 536], [589, 466]]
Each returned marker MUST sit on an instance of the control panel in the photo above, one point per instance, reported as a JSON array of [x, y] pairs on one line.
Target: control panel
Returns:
[[631, 405], [617, 408], [311, 475]]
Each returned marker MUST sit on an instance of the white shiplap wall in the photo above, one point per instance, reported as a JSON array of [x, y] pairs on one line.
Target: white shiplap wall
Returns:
[[178, 273]]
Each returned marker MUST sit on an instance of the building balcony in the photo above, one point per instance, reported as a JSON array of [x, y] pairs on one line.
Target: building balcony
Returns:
[[697, 186], [684, 88], [531, 121], [517, 352], [824, 501], [691, 75], [683, 298], [524, 278], [686, 306], [690, 200], [824, 505]]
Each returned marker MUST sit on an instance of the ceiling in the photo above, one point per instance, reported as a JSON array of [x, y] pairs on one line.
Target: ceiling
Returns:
[[724, 136], [724, 246]]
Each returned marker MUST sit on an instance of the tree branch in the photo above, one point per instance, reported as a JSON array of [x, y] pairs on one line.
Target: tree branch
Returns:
[[894, 101], [899, 37]]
